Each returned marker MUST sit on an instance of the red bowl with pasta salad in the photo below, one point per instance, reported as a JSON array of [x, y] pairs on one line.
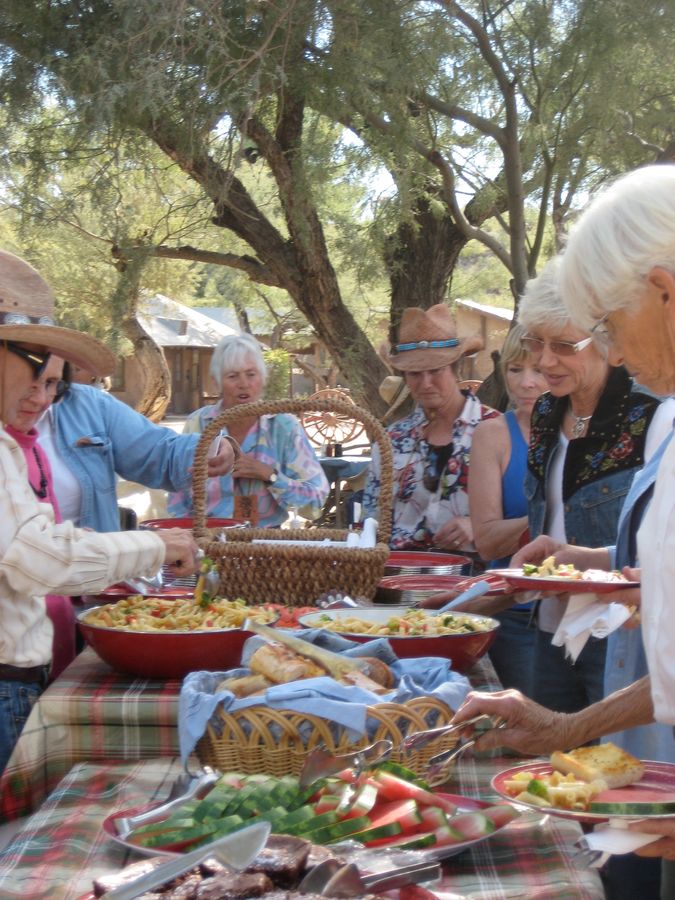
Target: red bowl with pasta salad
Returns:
[[460, 637], [155, 637]]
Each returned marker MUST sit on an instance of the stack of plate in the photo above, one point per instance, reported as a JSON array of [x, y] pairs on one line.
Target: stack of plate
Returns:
[[409, 590], [414, 562]]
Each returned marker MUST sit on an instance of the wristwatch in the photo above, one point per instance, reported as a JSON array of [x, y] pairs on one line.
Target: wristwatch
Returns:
[[273, 477]]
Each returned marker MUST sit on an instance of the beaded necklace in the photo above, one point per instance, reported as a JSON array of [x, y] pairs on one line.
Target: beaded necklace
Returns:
[[44, 484]]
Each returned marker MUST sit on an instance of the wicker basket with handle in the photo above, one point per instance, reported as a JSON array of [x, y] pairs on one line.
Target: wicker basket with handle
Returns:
[[291, 573], [276, 742]]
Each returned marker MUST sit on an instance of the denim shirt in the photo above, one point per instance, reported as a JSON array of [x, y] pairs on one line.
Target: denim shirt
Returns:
[[599, 467], [99, 437]]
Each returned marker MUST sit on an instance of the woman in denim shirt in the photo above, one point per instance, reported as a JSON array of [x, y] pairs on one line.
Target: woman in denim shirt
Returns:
[[587, 440]]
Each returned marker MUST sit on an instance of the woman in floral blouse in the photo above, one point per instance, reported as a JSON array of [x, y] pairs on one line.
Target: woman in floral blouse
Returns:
[[432, 446], [277, 469]]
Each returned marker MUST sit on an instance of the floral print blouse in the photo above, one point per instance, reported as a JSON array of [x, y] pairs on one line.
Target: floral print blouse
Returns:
[[430, 483], [278, 440]]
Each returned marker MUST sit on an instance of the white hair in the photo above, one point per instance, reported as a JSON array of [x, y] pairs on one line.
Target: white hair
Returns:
[[625, 231], [232, 352], [541, 304]]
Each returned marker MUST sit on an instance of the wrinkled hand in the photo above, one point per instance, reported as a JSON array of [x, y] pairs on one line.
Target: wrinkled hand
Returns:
[[455, 534], [181, 551], [536, 551], [222, 462], [531, 729], [664, 847], [248, 466]]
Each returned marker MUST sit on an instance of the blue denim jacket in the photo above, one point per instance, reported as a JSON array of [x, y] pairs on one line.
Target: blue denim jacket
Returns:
[[599, 467], [99, 437]]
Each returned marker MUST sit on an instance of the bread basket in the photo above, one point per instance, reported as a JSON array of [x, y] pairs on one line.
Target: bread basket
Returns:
[[276, 742]]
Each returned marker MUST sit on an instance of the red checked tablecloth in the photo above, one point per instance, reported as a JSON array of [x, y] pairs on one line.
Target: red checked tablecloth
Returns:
[[61, 848], [92, 714]]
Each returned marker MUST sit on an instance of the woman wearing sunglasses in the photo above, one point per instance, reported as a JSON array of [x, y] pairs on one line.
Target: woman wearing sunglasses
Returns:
[[37, 556], [589, 434]]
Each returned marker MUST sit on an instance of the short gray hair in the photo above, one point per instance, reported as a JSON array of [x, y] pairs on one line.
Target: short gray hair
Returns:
[[232, 351], [624, 232], [542, 306]]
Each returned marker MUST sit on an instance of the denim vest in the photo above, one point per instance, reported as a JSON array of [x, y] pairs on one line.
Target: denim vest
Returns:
[[599, 467]]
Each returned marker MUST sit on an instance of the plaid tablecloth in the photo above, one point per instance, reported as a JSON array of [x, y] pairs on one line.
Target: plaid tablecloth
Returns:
[[62, 848], [92, 714]]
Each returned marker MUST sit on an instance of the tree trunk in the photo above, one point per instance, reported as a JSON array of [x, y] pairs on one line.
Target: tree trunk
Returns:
[[420, 259], [156, 387]]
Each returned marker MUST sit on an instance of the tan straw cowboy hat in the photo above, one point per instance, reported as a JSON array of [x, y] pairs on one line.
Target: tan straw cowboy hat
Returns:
[[427, 339], [27, 316]]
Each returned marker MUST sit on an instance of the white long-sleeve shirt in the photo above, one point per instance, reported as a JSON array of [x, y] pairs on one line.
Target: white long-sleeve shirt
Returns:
[[38, 557]]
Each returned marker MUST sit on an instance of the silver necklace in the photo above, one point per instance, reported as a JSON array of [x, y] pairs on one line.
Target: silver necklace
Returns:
[[579, 424]]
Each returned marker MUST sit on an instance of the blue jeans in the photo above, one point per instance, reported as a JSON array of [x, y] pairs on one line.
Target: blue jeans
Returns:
[[512, 653], [565, 686], [16, 701]]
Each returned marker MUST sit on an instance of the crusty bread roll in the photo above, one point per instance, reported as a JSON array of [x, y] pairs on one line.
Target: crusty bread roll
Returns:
[[245, 685], [379, 671], [600, 762], [282, 665]]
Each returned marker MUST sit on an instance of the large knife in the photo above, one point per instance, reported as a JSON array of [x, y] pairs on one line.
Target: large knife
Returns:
[[236, 850], [335, 664]]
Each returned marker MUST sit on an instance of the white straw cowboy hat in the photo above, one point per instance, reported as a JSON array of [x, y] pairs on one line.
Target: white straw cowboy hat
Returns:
[[27, 316], [427, 339]]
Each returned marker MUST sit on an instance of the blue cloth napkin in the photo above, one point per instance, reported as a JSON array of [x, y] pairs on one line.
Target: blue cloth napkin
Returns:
[[324, 697]]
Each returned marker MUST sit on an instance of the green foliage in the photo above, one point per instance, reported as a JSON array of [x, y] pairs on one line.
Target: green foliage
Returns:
[[278, 374]]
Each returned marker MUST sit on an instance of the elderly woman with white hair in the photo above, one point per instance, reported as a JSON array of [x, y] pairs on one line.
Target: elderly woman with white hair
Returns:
[[618, 275], [589, 434], [277, 468]]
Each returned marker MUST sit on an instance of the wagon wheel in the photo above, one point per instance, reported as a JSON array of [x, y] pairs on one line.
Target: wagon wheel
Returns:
[[329, 427]]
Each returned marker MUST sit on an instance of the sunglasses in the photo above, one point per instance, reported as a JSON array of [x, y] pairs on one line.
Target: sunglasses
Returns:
[[37, 361], [535, 346]]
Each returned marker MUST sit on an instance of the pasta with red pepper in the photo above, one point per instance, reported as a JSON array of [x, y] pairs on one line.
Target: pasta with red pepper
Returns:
[[139, 613]]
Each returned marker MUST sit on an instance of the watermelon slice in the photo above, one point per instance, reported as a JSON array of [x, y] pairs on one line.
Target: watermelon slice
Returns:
[[433, 818], [403, 811], [471, 825], [394, 788], [360, 803], [501, 814], [327, 803], [634, 800]]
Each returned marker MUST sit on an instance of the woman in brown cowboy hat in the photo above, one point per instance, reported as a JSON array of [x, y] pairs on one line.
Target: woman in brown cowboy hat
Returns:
[[38, 557], [432, 445]]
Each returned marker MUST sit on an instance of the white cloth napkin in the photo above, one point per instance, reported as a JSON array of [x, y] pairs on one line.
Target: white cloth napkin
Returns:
[[585, 616], [612, 838]]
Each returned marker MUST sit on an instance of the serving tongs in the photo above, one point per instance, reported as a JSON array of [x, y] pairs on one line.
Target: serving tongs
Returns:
[[332, 878], [437, 767], [421, 738], [321, 763], [186, 787]]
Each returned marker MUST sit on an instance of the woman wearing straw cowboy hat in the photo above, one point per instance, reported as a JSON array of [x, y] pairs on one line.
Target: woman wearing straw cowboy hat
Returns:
[[38, 557], [431, 446]]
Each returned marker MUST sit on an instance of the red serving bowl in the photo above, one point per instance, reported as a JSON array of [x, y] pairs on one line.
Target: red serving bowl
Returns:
[[419, 562], [188, 522], [165, 654], [463, 649]]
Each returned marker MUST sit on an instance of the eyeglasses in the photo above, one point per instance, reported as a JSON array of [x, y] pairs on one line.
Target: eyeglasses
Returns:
[[598, 329], [535, 346], [37, 361]]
